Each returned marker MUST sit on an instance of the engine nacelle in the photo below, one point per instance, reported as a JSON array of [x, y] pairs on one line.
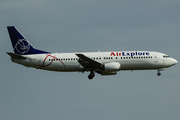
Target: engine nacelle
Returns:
[[109, 73], [113, 66]]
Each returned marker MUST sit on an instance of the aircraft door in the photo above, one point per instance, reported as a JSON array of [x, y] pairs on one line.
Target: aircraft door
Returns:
[[156, 58]]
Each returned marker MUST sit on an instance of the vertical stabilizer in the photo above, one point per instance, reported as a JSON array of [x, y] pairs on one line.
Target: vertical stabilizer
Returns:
[[20, 44]]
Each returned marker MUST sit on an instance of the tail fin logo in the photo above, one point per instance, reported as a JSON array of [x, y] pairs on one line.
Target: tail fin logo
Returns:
[[22, 46]]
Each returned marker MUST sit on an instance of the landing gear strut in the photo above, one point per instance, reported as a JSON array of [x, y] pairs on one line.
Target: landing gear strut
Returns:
[[158, 74], [91, 75]]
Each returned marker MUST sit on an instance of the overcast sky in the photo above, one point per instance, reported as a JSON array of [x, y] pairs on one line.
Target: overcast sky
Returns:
[[90, 25]]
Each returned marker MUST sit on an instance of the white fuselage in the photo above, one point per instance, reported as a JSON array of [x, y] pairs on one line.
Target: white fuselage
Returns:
[[104, 63], [128, 60]]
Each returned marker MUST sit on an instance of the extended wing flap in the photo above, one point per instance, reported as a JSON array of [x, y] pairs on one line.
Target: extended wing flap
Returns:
[[16, 56]]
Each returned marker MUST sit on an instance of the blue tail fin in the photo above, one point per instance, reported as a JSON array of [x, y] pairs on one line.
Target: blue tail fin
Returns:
[[20, 45]]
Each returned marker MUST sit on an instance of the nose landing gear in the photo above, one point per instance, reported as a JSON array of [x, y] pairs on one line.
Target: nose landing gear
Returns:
[[91, 75]]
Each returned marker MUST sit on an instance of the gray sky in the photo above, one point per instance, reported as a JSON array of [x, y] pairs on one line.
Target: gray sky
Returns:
[[79, 25]]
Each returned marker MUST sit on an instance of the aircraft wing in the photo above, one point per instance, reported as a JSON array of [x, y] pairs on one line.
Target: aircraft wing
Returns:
[[88, 63]]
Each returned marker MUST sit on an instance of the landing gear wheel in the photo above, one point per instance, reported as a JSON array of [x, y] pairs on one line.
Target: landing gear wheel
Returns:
[[158, 74], [91, 75]]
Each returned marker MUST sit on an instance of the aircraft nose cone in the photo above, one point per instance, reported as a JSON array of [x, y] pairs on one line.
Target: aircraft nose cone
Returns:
[[170, 62], [174, 61]]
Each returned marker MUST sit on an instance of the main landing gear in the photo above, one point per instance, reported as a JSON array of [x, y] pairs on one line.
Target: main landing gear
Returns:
[[158, 74], [91, 75]]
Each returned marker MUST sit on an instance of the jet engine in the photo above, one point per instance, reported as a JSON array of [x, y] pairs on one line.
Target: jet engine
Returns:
[[113, 66]]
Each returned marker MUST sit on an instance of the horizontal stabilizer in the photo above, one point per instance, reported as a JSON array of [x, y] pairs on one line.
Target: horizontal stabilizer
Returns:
[[16, 56]]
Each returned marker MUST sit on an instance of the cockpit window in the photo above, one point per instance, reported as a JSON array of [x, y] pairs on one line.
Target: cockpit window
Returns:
[[166, 56]]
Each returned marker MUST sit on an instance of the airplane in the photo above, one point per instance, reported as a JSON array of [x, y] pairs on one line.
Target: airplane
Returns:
[[104, 63]]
